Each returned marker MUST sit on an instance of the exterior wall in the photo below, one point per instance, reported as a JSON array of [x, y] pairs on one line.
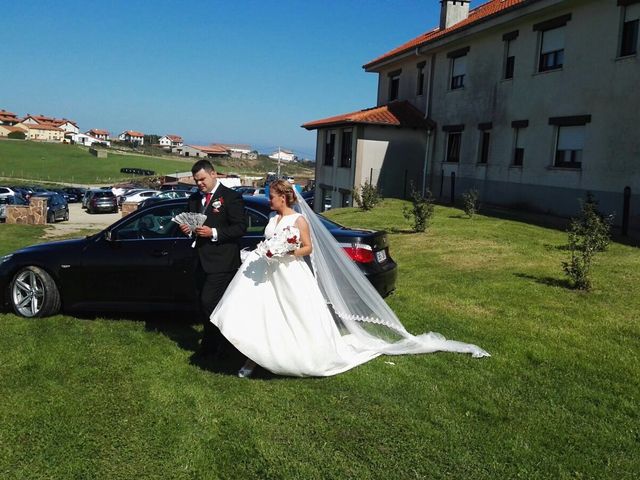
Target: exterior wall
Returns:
[[612, 149], [391, 158], [47, 135], [408, 82], [165, 142], [33, 214]]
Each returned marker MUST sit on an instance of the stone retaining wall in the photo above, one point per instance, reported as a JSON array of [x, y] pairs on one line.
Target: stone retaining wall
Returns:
[[33, 214], [128, 207]]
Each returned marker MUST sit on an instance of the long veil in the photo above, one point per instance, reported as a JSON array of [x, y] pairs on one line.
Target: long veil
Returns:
[[358, 306]]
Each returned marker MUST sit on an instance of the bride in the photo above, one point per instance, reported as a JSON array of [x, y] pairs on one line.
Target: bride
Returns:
[[294, 321]]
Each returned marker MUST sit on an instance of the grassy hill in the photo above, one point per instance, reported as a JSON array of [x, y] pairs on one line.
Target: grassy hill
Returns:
[[56, 162]]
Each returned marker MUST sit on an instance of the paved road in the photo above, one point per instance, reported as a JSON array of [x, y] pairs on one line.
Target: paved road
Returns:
[[79, 220]]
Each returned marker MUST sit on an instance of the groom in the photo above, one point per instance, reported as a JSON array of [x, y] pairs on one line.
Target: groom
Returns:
[[217, 246]]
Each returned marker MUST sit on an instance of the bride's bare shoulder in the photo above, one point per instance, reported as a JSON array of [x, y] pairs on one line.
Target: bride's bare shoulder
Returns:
[[300, 222]]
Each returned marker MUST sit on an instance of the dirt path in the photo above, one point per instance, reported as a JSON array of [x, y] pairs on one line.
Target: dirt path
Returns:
[[80, 220]]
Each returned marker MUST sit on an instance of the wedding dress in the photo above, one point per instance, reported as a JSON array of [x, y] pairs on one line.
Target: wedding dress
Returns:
[[292, 321]]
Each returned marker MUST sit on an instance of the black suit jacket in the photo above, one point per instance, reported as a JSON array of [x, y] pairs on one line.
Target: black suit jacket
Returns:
[[230, 221]]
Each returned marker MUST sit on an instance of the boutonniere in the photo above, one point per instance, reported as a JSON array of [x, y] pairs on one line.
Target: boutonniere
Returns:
[[216, 204]]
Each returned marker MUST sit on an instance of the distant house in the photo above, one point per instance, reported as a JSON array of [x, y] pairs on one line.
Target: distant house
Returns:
[[8, 118], [99, 134], [171, 141], [210, 151], [88, 140], [132, 136], [42, 132], [67, 126], [241, 151], [5, 130], [284, 156]]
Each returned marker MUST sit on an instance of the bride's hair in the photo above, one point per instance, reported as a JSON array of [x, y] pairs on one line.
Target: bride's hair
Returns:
[[282, 187]]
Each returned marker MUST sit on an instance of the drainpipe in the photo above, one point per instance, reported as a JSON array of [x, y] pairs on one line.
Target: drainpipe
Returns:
[[425, 167], [427, 115]]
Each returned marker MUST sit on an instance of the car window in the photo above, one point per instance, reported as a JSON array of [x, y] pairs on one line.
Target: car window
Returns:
[[256, 222], [4, 190], [155, 223]]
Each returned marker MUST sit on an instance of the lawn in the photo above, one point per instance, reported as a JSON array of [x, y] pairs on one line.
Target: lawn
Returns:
[[56, 162], [104, 398]]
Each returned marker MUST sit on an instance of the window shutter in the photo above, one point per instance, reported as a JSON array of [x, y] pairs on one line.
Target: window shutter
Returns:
[[571, 138], [632, 12], [553, 40], [459, 66]]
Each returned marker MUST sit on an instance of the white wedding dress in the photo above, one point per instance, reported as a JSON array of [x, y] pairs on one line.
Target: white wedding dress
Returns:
[[274, 312]]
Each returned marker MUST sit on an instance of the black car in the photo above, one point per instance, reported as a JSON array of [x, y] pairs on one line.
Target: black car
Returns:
[[73, 194], [57, 206], [143, 263]]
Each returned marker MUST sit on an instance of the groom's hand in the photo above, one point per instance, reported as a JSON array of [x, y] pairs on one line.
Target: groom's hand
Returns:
[[185, 229], [204, 232]]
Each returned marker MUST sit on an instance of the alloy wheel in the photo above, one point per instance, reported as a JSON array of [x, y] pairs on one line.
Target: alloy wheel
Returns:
[[28, 293]]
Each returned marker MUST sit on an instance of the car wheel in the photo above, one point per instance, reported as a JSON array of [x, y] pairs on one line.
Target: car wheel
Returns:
[[51, 217], [34, 293], [66, 216]]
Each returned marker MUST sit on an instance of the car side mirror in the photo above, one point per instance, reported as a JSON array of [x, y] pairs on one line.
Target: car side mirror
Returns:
[[110, 236]]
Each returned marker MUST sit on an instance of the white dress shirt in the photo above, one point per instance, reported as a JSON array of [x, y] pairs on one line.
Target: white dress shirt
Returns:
[[214, 232]]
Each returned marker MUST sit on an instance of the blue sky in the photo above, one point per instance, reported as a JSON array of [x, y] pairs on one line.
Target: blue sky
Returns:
[[242, 71]]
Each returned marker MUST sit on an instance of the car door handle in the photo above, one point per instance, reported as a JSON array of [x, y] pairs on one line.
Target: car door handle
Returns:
[[159, 253]]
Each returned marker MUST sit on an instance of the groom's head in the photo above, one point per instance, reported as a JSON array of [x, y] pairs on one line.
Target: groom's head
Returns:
[[204, 175]]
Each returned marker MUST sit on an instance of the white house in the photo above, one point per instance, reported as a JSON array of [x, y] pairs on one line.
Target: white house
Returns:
[[284, 155], [67, 126], [132, 136], [99, 134], [88, 140], [170, 141], [533, 103]]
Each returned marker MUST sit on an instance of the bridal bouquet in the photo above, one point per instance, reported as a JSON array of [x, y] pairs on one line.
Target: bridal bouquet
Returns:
[[281, 244]]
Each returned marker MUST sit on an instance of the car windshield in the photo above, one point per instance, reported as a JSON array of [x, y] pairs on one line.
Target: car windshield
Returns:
[[103, 194], [153, 224]]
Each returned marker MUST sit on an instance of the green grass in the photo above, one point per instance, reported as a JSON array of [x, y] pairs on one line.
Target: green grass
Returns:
[[56, 162], [118, 398]]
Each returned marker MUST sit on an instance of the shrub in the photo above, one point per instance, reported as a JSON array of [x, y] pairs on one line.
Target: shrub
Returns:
[[368, 197], [17, 135], [421, 211], [470, 202], [588, 234]]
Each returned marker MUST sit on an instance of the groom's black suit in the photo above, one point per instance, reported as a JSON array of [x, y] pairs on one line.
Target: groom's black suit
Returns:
[[217, 261]]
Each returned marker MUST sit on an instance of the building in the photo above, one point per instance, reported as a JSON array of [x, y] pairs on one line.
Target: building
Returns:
[[99, 134], [284, 156], [531, 102], [67, 126], [132, 136], [171, 141], [5, 130], [87, 140], [8, 118], [200, 151], [241, 151], [41, 132]]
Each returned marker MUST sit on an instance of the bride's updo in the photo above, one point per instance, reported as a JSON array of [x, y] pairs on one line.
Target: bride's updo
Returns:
[[282, 187]]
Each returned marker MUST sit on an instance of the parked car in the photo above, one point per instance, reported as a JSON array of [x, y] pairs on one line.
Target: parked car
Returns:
[[75, 194], [132, 191], [179, 187], [7, 192], [103, 272], [10, 200], [57, 206], [251, 191], [138, 197], [87, 196], [102, 201], [166, 195]]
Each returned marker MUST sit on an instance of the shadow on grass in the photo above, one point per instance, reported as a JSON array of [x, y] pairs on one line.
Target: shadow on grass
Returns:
[[550, 281], [460, 217], [403, 231]]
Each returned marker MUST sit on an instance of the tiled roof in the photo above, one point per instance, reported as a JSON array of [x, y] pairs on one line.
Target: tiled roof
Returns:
[[12, 129], [133, 133], [174, 138], [96, 131], [219, 149], [41, 126], [493, 7], [399, 114]]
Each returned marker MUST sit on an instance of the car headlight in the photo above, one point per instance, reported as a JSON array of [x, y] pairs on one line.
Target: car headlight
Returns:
[[6, 258]]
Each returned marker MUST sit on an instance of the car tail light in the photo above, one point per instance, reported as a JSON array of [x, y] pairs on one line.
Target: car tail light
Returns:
[[359, 252]]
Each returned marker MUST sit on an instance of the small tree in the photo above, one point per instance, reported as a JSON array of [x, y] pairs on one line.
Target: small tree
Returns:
[[368, 197], [470, 202], [588, 234], [421, 211], [17, 135]]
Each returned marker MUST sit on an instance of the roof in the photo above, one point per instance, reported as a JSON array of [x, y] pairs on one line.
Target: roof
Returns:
[[133, 133], [11, 128], [174, 138], [236, 146], [483, 12], [41, 126], [397, 114], [96, 131], [215, 149], [41, 119]]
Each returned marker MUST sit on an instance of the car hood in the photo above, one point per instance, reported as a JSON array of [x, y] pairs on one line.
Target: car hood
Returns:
[[76, 244]]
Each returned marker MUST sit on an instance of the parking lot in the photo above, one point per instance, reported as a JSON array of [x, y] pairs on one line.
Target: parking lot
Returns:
[[80, 220]]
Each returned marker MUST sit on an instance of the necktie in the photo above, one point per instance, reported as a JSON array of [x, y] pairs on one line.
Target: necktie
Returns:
[[207, 199]]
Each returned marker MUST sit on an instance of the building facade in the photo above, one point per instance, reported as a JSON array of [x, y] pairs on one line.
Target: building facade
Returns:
[[532, 102], [132, 137]]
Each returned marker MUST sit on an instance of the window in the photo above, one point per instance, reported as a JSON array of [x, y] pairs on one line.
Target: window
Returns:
[[329, 148], [552, 50], [569, 145], [154, 224], [453, 147], [519, 127], [394, 85], [458, 72], [629, 33], [552, 34], [485, 139], [420, 80], [326, 198], [256, 222], [509, 59], [346, 151], [458, 67], [346, 199]]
